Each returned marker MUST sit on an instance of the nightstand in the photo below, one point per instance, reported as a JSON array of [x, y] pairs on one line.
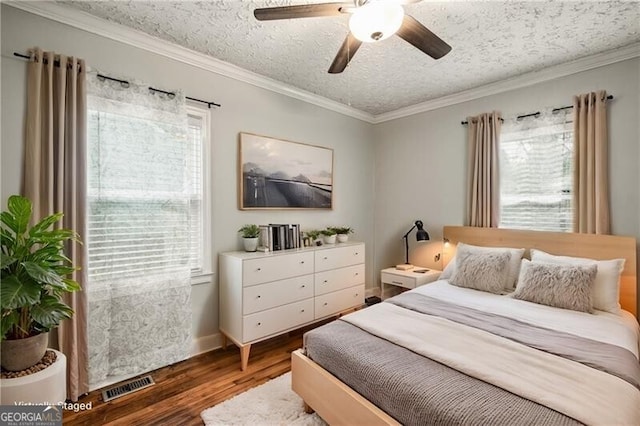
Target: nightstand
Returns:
[[407, 279]]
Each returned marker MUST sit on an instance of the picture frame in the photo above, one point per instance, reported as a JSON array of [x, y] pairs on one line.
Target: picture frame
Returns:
[[280, 174]]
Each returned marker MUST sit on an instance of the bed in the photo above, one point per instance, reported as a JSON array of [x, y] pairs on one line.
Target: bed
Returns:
[[445, 354]]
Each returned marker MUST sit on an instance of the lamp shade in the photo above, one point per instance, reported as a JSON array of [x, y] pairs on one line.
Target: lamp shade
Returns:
[[421, 234], [376, 21]]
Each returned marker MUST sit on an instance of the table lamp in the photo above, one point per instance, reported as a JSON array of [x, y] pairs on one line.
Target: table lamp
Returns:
[[421, 235]]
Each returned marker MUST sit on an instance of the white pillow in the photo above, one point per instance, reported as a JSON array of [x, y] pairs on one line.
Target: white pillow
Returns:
[[514, 261], [607, 284]]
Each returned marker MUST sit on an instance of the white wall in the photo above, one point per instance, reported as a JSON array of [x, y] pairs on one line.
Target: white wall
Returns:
[[245, 108], [421, 160]]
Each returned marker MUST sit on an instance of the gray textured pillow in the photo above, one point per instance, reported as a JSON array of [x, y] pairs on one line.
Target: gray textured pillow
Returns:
[[482, 271], [561, 286], [514, 263]]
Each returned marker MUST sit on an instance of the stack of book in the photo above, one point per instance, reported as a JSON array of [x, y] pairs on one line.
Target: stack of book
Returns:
[[279, 237]]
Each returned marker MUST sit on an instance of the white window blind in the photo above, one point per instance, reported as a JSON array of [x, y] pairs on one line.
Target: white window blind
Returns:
[[536, 166]]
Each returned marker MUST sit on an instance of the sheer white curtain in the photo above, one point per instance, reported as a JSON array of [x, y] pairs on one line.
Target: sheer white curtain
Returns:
[[139, 187], [536, 166]]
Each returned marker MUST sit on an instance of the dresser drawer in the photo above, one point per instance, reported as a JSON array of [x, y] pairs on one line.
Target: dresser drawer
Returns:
[[339, 257], [266, 269], [277, 320], [398, 280], [338, 301], [337, 279], [265, 296]]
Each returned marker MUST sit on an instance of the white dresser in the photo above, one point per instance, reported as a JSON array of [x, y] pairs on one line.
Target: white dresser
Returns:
[[266, 294]]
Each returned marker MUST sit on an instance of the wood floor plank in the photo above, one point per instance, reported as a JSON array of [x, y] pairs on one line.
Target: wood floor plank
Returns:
[[185, 389]]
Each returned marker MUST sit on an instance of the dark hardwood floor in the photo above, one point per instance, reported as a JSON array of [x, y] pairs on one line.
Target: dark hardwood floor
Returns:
[[183, 390]]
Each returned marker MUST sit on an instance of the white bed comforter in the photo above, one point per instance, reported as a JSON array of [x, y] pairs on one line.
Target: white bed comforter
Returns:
[[620, 330], [578, 391]]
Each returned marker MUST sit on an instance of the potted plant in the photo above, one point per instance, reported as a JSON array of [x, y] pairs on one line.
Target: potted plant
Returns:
[[313, 237], [342, 233], [329, 235], [35, 275], [250, 234]]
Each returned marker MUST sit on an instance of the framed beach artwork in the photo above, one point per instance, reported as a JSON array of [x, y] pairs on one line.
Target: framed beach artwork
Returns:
[[279, 174]]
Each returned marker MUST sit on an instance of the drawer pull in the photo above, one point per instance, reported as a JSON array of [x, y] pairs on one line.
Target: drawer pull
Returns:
[[396, 282], [325, 281], [302, 261], [325, 258], [259, 324], [258, 297], [357, 273], [325, 303], [301, 310], [356, 295], [259, 269], [302, 286], [356, 253]]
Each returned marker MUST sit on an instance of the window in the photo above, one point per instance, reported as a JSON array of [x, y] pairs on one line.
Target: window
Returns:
[[147, 194], [536, 173]]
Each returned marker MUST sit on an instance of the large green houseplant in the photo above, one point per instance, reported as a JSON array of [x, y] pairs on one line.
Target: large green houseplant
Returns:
[[35, 276]]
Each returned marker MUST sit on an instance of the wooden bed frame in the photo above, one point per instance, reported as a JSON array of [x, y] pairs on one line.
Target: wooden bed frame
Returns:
[[338, 404]]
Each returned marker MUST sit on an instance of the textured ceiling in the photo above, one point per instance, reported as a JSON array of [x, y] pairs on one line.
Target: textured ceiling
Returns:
[[491, 40]]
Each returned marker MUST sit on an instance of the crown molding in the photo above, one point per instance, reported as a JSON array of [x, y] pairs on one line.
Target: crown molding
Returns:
[[86, 22], [582, 64]]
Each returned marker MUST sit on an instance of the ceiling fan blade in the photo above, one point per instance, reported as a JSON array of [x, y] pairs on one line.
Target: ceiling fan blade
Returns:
[[302, 11], [417, 34], [345, 54]]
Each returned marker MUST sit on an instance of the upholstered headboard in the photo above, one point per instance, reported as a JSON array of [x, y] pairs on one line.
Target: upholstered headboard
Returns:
[[599, 247]]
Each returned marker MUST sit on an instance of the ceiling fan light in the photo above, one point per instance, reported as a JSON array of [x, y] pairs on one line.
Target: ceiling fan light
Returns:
[[376, 21]]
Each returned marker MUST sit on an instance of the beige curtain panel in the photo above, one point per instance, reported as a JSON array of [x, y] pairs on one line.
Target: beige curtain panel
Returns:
[[483, 195], [55, 180], [591, 160]]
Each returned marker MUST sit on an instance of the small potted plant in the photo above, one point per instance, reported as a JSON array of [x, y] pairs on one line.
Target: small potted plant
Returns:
[[250, 234], [313, 237], [329, 235], [35, 276], [342, 233]]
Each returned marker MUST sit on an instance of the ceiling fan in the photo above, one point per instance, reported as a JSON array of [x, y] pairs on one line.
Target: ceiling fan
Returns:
[[371, 21]]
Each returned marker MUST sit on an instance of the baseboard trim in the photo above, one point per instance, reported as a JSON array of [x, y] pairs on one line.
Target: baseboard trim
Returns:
[[204, 344]]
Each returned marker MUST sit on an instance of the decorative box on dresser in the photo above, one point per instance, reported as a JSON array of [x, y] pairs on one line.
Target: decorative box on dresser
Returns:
[[263, 295]]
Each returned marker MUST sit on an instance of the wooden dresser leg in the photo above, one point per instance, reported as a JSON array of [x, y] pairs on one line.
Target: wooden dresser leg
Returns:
[[308, 409], [244, 356]]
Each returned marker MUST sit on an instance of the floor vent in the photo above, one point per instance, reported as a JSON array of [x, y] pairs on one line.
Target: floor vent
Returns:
[[126, 388]]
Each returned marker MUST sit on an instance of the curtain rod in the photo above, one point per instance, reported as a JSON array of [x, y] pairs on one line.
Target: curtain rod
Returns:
[[537, 113], [125, 83], [466, 122]]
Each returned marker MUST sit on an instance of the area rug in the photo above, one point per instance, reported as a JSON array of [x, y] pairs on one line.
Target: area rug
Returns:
[[272, 403]]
